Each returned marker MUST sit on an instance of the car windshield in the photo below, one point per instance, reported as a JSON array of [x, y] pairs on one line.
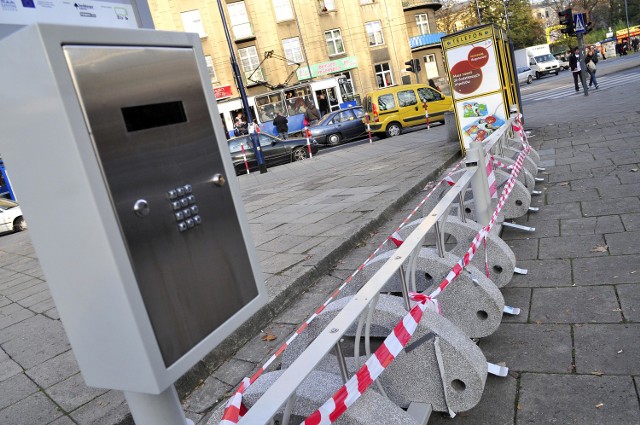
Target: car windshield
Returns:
[[545, 58], [7, 203]]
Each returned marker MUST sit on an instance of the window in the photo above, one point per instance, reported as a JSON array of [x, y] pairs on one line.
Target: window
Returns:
[[192, 22], [249, 61], [407, 98], [212, 71], [386, 102], [239, 20], [292, 50], [268, 105], [345, 82], [374, 33], [327, 5], [431, 66], [366, 1], [334, 42], [283, 10], [343, 116], [383, 75], [428, 94], [423, 23]]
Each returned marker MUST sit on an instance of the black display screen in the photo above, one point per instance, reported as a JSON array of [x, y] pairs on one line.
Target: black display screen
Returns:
[[143, 117]]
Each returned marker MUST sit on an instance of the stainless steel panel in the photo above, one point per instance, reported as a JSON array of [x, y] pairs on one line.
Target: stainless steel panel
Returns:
[[151, 130]]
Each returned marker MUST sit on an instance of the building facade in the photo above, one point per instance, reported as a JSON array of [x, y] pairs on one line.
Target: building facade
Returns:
[[276, 42]]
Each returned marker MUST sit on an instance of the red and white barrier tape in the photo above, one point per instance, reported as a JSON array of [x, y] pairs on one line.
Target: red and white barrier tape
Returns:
[[333, 408], [234, 409]]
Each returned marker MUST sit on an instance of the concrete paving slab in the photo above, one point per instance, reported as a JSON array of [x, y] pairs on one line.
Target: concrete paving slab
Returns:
[[611, 206], [207, 395], [527, 249], [15, 389], [543, 273], [258, 349], [8, 367], [611, 349], [572, 196], [35, 409], [109, 408], [520, 298], [623, 243], [73, 393], [629, 296], [591, 225], [530, 347], [54, 370], [572, 247], [31, 349], [607, 270], [585, 400], [566, 305]]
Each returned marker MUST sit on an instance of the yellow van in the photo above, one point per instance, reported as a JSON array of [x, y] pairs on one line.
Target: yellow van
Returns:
[[393, 108]]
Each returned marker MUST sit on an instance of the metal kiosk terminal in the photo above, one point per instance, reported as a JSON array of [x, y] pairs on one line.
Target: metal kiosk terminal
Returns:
[[147, 251]]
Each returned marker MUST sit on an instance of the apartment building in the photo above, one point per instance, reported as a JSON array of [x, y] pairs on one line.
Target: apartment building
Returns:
[[366, 42]]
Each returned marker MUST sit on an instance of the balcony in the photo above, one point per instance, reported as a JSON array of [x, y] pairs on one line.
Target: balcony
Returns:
[[425, 40], [418, 4]]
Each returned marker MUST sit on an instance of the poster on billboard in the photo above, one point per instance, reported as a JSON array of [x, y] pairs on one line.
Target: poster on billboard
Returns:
[[474, 69], [480, 117]]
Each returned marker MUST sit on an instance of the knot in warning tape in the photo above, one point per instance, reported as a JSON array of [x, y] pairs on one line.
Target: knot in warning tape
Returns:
[[430, 302]]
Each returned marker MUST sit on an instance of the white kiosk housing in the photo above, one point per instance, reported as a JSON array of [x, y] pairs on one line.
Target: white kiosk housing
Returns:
[[120, 164]]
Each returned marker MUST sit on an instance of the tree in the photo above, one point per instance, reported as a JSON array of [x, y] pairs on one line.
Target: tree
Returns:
[[524, 30], [454, 16]]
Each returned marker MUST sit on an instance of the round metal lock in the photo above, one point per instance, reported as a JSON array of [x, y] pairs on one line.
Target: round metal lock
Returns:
[[219, 180], [141, 208]]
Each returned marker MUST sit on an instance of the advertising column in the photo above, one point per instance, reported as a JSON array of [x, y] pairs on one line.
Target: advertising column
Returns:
[[478, 92]]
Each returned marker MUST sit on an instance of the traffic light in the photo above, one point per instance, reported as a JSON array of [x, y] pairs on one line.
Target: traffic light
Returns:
[[410, 67], [416, 65], [566, 19]]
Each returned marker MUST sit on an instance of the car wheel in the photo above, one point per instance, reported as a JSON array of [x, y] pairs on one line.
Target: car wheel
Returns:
[[19, 225], [299, 154], [538, 76], [334, 139], [394, 129], [556, 72], [529, 79]]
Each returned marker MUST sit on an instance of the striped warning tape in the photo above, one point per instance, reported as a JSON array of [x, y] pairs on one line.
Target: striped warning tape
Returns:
[[234, 409], [333, 408]]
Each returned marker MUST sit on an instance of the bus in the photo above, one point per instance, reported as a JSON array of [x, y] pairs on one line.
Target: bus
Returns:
[[327, 94]]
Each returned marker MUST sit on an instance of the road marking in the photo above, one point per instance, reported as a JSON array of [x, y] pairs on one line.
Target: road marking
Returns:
[[563, 91]]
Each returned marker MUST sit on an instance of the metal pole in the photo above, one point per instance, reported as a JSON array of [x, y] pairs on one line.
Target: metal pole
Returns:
[[626, 12], [304, 50], [478, 11], [479, 183], [239, 82], [156, 409]]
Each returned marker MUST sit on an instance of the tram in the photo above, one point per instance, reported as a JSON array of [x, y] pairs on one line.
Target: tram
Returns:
[[327, 94]]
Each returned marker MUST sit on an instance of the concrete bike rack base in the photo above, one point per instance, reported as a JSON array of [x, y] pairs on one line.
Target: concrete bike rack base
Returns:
[[440, 366], [472, 302]]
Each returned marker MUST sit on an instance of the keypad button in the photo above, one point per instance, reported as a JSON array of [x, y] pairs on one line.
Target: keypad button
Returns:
[[182, 226], [190, 223], [186, 212], [176, 205], [184, 202], [179, 216], [191, 199], [197, 219], [172, 194], [188, 189], [180, 191], [195, 209]]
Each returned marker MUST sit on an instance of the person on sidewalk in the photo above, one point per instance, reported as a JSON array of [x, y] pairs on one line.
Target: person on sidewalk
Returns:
[[312, 115], [590, 61], [282, 125], [574, 65]]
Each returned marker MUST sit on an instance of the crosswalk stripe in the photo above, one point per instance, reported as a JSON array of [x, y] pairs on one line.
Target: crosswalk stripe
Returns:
[[565, 90]]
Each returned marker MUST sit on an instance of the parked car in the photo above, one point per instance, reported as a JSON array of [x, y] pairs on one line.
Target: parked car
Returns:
[[339, 126], [564, 62], [275, 151], [11, 219], [392, 108], [525, 75]]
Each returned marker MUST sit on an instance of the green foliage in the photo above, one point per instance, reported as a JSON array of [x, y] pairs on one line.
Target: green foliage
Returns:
[[524, 29]]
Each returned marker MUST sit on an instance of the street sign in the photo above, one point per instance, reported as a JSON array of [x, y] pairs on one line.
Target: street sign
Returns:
[[578, 22]]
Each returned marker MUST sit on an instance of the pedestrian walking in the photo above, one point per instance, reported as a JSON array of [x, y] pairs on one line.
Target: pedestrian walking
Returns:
[[312, 115], [590, 60], [574, 65], [282, 125], [323, 104]]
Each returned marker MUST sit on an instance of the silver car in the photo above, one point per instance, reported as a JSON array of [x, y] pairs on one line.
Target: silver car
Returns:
[[525, 75]]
